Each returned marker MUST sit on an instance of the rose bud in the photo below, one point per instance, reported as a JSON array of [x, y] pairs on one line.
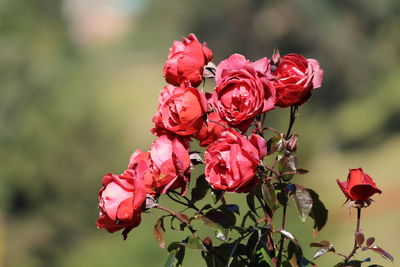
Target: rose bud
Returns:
[[211, 129], [232, 162], [181, 110], [120, 202], [242, 90], [171, 163], [186, 61], [359, 186], [291, 144], [294, 78]]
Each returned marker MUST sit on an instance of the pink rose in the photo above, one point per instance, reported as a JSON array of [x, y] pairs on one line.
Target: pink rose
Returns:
[[121, 199], [294, 79], [242, 91], [171, 164], [186, 60], [232, 161], [181, 110]]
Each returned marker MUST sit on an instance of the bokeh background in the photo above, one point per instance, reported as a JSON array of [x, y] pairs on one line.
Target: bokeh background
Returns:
[[79, 82]]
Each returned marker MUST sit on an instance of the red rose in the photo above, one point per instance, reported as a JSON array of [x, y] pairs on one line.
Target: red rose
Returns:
[[181, 110], [211, 129], [141, 164], [121, 199], [294, 77], [186, 60], [242, 91], [232, 161], [359, 185], [171, 163]]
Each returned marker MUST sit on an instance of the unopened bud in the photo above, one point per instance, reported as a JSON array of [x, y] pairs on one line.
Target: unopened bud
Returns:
[[275, 59], [291, 144]]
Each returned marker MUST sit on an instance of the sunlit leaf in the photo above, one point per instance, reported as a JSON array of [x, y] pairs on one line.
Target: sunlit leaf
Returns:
[[303, 200], [288, 235]]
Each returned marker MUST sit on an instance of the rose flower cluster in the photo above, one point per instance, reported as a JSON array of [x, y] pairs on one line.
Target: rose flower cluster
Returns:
[[219, 120]]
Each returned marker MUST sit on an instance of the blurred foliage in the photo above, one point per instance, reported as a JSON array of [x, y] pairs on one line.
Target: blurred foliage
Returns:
[[71, 112]]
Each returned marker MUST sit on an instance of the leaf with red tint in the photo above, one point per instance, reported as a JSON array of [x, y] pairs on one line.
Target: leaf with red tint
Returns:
[[159, 233]]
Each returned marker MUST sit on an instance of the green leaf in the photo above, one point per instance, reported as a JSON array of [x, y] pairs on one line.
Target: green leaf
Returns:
[[193, 242], [318, 212], [159, 233], [201, 188], [171, 259], [268, 192], [303, 200]]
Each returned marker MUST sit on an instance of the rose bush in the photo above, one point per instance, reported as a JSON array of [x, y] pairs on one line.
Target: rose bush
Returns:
[[186, 60]]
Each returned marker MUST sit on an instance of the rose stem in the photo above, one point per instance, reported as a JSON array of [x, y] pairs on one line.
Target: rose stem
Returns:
[[355, 237], [182, 220], [293, 111]]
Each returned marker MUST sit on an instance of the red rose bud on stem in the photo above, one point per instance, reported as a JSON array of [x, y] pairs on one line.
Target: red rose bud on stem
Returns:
[[242, 90], [120, 202], [186, 60], [181, 110], [359, 186], [232, 161], [171, 164], [294, 77]]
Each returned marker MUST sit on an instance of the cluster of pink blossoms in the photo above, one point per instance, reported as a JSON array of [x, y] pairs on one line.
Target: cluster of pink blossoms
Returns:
[[244, 91]]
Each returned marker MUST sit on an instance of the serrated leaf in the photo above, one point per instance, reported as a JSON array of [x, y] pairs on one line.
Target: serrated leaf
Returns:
[[303, 200], [268, 192], [201, 188], [159, 233], [382, 252]]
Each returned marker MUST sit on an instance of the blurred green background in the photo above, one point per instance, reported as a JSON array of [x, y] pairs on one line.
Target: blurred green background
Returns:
[[79, 82]]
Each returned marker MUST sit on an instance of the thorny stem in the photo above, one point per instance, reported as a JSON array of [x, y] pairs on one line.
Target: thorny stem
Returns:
[[293, 115], [355, 238], [193, 231], [282, 241]]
